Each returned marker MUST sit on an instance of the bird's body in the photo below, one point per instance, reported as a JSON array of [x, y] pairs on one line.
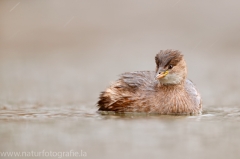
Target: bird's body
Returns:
[[167, 93]]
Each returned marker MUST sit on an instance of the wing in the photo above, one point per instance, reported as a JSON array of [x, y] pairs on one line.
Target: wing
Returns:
[[123, 93], [193, 93], [144, 80]]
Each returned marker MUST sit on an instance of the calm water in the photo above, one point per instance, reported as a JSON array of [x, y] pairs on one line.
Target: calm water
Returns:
[[57, 56], [79, 127]]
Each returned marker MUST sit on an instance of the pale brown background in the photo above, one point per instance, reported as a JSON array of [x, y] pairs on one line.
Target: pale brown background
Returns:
[[72, 49]]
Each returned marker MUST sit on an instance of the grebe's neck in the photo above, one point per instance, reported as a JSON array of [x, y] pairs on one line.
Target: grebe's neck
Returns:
[[172, 86]]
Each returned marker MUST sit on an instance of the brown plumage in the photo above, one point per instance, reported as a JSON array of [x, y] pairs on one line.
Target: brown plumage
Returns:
[[165, 91]]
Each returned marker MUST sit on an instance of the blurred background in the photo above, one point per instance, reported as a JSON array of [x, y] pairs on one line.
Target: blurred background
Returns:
[[63, 53], [71, 50]]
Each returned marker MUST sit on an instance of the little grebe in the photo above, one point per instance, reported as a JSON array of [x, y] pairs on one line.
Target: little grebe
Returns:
[[165, 91]]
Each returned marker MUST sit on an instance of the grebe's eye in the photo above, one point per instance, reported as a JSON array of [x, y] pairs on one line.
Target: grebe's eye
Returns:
[[170, 66]]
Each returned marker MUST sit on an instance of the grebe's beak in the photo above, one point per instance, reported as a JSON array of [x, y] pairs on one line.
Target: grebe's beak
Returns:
[[162, 75]]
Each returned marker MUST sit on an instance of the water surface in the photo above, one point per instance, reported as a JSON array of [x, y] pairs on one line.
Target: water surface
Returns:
[[80, 127]]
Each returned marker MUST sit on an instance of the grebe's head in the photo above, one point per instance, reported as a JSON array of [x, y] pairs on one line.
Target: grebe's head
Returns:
[[170, 67]]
